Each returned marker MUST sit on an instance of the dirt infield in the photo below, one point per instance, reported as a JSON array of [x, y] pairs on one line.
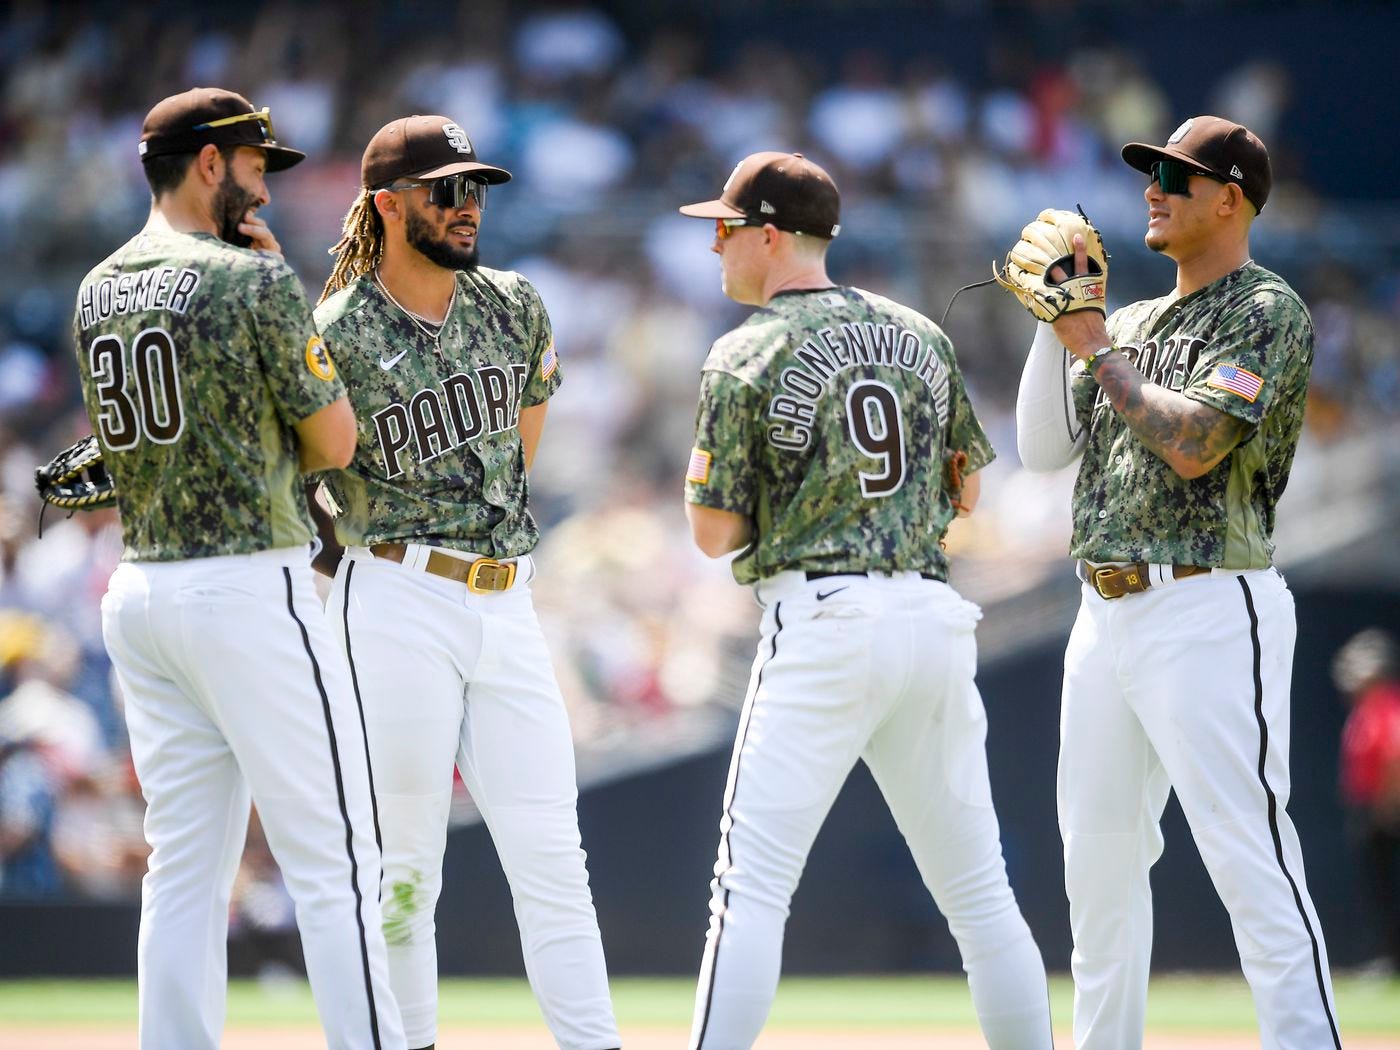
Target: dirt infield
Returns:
[[457, 1038]]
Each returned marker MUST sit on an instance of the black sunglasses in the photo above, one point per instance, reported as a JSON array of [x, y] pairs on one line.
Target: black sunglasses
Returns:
[[450, 191], [1174, 176]]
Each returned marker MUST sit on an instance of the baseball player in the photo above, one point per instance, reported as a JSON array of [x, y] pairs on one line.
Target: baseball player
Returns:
[[1186, 411], [1366, 672], [209, 389], [450, 366], [824, 424]]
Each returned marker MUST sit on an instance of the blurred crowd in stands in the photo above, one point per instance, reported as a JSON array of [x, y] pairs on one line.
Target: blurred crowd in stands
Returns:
[[607, 126]]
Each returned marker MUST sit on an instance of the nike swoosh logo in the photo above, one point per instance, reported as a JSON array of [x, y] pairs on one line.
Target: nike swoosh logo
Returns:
[[821, 597], [386, 365]]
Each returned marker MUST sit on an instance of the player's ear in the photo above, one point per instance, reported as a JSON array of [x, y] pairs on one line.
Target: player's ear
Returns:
[[387, 204], [1233, 201], [209, 164]]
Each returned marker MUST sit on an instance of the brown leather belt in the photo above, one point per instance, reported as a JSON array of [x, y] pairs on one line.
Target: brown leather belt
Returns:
[[1114, 581], [482, 576]]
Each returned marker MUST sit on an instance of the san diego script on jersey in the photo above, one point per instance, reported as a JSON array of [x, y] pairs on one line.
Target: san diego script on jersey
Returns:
[[197, 358], [1243, 345], [439, 458], [825, 417]]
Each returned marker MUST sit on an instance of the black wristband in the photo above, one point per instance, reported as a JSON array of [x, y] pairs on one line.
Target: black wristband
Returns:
[[1097, 356]]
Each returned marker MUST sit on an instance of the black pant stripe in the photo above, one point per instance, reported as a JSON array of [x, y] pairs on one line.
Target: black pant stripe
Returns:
[[733, 790], [359, 706], [344, 809], [1273, 808]]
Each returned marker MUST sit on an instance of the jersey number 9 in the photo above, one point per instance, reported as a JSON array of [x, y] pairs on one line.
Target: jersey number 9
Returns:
[[876, 427]]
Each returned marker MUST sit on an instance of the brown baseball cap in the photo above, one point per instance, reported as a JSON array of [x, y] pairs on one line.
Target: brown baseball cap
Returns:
[[785, 189], [420, 147], [1213, 146], [186, 122]]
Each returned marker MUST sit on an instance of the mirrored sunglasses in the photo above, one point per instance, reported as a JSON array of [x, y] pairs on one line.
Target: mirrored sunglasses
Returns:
[[724, 228], [450, 191], [1174, 177]]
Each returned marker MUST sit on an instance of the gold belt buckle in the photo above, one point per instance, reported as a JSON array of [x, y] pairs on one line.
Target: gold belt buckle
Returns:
[[1126, 579], [487, 575]]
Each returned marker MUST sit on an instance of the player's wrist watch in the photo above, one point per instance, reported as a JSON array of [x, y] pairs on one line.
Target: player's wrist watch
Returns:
[[1097, 356]]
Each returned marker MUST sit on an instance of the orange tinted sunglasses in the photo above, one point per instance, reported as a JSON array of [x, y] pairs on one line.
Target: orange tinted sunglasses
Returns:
[[724, 228]]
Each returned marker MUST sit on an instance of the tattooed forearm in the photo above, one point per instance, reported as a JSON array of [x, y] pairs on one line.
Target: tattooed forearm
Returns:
[[1188, 436]]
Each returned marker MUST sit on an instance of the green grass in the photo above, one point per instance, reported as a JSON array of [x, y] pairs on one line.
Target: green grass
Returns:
[[1366, 1006]]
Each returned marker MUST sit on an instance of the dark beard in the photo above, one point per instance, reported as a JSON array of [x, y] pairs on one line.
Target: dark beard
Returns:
[[231, 203], [420, 236]]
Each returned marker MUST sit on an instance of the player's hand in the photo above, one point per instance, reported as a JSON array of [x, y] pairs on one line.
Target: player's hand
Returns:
[[1035, 272], [1081, 262], [258, 233], [1083, 331]]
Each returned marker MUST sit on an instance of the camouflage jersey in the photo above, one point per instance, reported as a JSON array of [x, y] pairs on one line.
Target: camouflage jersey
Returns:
[[197, 358], [1244, 345], [439, 459], [825, 418]]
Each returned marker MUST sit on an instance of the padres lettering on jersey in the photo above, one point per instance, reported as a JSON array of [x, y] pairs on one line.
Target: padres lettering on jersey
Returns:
[[1243, 345], [439, 458], [825, 417], [440, 418], [196, 359]]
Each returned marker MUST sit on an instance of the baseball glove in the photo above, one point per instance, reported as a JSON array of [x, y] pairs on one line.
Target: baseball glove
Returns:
[[953, 464], [76, 478], [1049, 242]]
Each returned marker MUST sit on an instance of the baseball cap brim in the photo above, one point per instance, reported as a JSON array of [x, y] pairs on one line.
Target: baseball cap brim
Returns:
[[280, 158], [1141, 156], [487, 173], [715, 209]]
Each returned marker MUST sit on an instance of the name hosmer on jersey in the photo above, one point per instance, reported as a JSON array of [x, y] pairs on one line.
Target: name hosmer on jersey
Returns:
[[463, 407], [834, 350], [154, 288]]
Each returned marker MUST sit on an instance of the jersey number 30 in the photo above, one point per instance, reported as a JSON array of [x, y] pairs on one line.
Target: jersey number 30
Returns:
[[157, 410], [877, 429]]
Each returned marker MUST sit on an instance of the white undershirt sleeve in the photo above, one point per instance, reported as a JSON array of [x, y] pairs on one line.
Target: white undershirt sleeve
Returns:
[[1048, 433]]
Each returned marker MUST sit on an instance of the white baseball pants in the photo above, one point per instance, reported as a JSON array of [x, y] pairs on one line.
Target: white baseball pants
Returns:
[[879, 668], [447, 676], [234, 690], [1186, 686]]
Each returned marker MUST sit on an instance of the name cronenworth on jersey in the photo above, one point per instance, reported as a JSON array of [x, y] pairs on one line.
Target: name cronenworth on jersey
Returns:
[[836, 349]]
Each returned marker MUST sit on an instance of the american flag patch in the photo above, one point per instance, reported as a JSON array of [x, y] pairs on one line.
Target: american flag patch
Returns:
[[1237, 381], [698, 470], [549, 362]]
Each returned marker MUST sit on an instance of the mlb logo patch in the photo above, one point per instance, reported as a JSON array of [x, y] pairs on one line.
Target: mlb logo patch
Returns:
[[1238, 381], [549, 362], [698, 469]]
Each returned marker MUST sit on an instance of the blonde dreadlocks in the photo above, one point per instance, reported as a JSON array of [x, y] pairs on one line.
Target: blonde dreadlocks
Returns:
[[360, 247]]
